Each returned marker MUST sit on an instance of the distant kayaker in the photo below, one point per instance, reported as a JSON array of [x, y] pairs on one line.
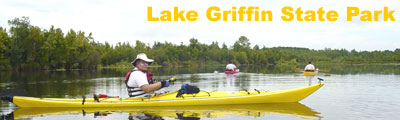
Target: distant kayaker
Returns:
[[139, 81], [230, 66], [310, 67]]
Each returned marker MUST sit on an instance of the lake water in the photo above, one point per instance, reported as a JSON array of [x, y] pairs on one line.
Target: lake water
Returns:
[[350, 92]]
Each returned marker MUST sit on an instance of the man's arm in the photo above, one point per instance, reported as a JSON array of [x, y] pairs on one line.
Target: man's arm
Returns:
[[151, 87]]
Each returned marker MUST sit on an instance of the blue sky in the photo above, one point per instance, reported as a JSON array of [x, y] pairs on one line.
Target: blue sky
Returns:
[[126, 21]]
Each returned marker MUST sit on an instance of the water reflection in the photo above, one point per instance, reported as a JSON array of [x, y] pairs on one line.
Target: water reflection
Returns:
[[143, 116], [231, 79], [296, 110], [309, 79]]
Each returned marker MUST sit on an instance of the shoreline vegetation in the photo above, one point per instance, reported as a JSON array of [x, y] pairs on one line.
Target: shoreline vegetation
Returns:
[[27, 47], [128, 65]]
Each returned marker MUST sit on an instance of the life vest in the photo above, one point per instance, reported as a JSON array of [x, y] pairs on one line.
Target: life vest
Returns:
[[132, 90], [148, 74]]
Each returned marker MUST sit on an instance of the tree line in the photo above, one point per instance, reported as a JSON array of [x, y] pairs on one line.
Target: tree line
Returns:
[[25, 46]]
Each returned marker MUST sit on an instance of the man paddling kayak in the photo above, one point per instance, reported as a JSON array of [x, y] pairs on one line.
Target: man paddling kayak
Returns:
[[139, 81], [310, 67], [230, 66]]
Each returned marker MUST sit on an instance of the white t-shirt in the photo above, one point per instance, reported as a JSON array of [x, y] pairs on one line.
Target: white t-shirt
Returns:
[[136, 80], [309, 67], [230, 67]]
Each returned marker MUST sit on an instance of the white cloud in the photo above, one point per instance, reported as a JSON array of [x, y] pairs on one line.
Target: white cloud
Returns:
[[126, 20]]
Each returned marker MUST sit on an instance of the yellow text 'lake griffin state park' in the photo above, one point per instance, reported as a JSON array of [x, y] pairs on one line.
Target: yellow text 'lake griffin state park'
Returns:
[[254, 13]]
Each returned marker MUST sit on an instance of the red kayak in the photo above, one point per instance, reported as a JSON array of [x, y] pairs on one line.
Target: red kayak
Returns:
[[232, 72]]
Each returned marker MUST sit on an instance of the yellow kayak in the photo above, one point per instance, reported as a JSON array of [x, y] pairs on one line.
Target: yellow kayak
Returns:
[[308, 73], [256, 110], [170, 99]]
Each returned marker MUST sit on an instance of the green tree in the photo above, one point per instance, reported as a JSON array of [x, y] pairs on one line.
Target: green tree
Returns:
[[236, 46], [194, 43], [224, 47], [71, 52], [244, 42], [19, 32], [4, 39], [141, 47], [36, 55], [28, 46], [256, 47], [194, 47], [55, 46]]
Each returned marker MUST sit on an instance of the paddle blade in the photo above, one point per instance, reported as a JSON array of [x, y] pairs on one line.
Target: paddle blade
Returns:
[[13, 92]]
